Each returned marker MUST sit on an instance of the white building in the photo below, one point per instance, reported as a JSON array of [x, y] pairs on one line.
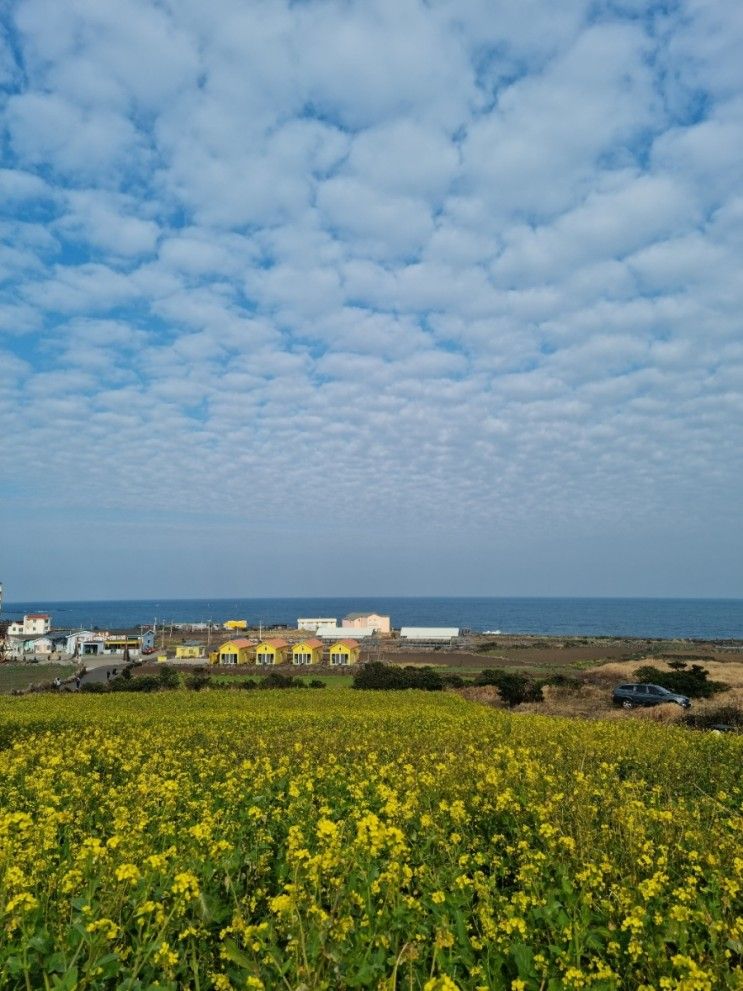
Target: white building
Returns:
[[36, 624], [345, 632], [442, 633], [313, 623]]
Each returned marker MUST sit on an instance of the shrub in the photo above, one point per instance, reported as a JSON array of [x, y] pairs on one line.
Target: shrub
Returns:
[[513, 686], [248, 683], [94, 686], [693, 681], [147, 683], [389, 677], [169, 677], [452, 680], [317, 683], [275, 679], [721, 715], [197, 682]]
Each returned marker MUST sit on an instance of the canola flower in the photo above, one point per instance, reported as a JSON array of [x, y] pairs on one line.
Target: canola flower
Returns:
[[361, 840]]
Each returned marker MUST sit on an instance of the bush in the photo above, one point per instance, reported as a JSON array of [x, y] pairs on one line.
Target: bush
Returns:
[[693, 681], [514, 687], [275, 679], [197, 682], [147, 683], [169, 677], [248, 683], [317, 683], [452, 680], [96, 687], [389, 677], [721, 715]]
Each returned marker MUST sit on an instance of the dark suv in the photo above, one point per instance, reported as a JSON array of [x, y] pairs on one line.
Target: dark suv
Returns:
[[629, 696]]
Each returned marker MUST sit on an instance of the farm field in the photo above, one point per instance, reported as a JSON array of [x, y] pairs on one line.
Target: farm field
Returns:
[[339, 839], [22, 675]]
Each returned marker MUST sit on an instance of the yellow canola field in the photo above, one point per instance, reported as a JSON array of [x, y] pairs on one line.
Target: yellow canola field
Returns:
[[331, 840]]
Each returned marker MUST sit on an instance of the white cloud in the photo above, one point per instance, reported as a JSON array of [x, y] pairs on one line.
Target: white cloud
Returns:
[[474, 268]]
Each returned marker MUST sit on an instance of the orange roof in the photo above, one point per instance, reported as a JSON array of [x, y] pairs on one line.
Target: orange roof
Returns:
[[240, 642], [310, 642], [275, 643], [347, 643], [37, 615]]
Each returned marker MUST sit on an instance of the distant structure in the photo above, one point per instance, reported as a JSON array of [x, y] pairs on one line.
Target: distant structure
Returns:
[[307, 651], [426, 634], [311, 624], [344, 652], [271, 652], [33, 625], [341, 632], [236, 624], [232, 652], [380, 624]]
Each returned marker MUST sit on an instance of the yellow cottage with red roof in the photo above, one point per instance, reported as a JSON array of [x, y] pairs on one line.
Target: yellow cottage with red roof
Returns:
[[344, 652]]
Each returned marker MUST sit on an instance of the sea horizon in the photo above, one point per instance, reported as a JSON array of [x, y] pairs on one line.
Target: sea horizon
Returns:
[[659, 617]]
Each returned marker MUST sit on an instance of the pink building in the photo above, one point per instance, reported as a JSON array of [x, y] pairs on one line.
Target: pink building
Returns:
[[381, 624]]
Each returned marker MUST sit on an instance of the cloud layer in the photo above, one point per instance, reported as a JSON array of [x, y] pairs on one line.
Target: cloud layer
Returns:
[[445, 293]]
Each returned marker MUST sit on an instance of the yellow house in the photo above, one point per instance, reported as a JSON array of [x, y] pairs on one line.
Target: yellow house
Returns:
[[234, 652], [307, 651], [189, 649], [271, 652], [236, 624], [344, 652]]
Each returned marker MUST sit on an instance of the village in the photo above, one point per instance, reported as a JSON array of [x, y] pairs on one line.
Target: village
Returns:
[[316, 640]]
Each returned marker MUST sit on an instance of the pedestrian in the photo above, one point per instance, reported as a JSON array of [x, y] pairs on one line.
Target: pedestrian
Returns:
[[77, 682], [108, 674], [57, 682]]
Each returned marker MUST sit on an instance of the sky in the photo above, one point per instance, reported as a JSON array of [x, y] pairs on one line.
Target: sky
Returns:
[[386, 297]]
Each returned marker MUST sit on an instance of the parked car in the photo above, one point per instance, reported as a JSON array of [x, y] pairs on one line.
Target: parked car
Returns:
[[630, 696]]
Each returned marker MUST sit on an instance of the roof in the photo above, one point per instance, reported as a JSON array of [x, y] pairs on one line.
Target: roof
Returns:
[[309, 642], [240, 642], [429, 632], [191, 643], [364, 615], [351, 644], [37, 615], [338, 632], [276, 643]]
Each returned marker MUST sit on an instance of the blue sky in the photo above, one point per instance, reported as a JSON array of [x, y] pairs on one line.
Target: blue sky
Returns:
[[381, 297]]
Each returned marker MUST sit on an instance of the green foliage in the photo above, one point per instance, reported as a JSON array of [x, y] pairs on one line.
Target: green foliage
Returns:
[[169, 677], [513, 686], [317, 683], [693, 681], [197, 682], [389, 677], [721, 715]]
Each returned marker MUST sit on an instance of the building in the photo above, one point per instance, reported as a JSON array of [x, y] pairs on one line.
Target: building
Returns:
[[147, 641], [345, 632], [118, 643], [191, 648], [380, 624], [92, 647], [236, 624], [313, 623], [233, 652], [344, 652], [33, 625], [307, 651], [271, 652], [424, 634]]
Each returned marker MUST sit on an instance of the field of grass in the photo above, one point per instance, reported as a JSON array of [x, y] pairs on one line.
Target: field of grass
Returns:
[[339, 839], [22, 675]]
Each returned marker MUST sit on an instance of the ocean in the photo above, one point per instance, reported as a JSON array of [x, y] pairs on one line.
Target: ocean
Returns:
[[704, 619]]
